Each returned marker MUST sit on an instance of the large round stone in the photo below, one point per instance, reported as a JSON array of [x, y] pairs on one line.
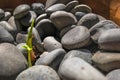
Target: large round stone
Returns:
[[100, 28], [106, 61], [88, 20], [76, 38], [110, 40], [21, 10], [12, 62], [62, 19], [77, 69], [38, 73]]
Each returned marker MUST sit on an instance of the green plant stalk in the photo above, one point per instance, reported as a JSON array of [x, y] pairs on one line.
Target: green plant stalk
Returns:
[[28, 45]]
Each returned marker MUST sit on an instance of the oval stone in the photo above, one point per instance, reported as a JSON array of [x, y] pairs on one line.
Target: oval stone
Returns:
[[76, 38], [77, 69], [39, 72], [62, 19], [110, 40], [100, 28], [88, 20], [12, 62], [21, 10]]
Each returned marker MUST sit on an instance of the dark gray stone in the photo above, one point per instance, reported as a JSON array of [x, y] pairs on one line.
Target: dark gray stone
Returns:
[[100, 28], [55, 7], [71, 5], [39, 72], [61, 19], [2, 14], [27, 20], [106, 61], [50, 43], [45, 28], [76, 38], [52, 59], [77, 69], [39, 8], [79, 15], [7, 16], [81, 8], [114, 75], [5, 36], [21, 10], [12, 62], [40, 17], [88, 20], [109, 40]]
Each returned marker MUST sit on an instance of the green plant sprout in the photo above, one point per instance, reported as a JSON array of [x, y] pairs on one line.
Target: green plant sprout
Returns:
[[28, 45]]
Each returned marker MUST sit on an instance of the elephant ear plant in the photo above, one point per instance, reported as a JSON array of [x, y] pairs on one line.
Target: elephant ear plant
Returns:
[[29, 47]]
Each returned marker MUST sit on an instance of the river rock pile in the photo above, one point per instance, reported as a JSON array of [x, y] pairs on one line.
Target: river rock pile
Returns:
[[70, 43]]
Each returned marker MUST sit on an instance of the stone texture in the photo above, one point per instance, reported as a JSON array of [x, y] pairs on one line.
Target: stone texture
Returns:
[[108, 41], [77, 69], [107, 61], [12, 62], [62, 19], [38, 73], [76, 38]]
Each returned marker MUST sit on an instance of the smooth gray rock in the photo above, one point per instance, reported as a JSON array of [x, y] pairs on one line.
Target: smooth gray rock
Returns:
[[109, 40], [2, 14], [100, 28], [79, 15], [11, 29], [52, 59], [12, 62], [15, 23], [21, 10], [88, 20], [114, 75], [71, 5], [38, 8], [45, 28], [39, 72], [81, 8], [40, 17], [7, 16], [5, 36], [77, 69], [76, 38], [61, 19], [50, 44], [27, 20], [66, 29], [80, 53], [106, 61], [55, 7]]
